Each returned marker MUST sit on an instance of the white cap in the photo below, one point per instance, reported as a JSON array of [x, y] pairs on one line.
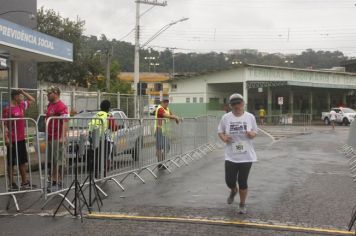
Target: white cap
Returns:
[[236, 97]]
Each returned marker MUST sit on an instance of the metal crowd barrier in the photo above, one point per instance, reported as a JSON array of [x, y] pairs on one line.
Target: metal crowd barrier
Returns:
[[350, 153], [301, 120], [128, 147], [61, 151], [214, 140], [126, 154], [21, 176]]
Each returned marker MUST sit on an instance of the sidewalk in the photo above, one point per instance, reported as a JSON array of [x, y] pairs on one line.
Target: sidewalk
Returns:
[[298, 181]]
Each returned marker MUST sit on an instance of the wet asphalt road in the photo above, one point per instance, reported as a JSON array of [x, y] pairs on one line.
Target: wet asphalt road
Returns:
[[300, 181]]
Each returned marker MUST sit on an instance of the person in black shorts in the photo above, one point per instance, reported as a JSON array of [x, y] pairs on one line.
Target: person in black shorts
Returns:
[[15, 142], [237, 129]]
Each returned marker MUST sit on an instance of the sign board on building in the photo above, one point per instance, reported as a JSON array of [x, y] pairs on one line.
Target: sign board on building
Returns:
[[280, 101], [19, 37], [3, 63]]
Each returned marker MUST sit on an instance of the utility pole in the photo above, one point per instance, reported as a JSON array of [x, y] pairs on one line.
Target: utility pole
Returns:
[[173, 62], [108, 62], [137, 46]]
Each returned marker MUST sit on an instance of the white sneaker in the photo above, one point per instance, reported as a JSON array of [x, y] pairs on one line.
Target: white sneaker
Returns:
[[242, 209]]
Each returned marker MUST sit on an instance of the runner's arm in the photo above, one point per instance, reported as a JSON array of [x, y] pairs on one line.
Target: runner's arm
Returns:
[[171, 116], [253, 132], [225, 138], [221, 132], [30, 99]]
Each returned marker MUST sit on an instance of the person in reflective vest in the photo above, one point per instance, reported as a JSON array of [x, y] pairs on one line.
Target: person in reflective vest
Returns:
[[162, 117], [103, 121]]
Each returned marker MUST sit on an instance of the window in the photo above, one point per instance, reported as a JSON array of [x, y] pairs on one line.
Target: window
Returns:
[[201, 99], [194, 100], [158, 87], [187, 100], [174, 87]]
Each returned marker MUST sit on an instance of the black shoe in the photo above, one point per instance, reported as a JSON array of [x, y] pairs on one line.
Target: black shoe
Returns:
[[231, 198], [27, 185], [54, 187], [14, 187]]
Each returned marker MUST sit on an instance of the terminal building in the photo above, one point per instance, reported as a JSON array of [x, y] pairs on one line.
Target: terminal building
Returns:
[[303, 90]]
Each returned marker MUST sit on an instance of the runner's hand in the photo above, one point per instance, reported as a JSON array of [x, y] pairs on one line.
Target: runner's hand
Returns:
[[227, 139], [250, 134]]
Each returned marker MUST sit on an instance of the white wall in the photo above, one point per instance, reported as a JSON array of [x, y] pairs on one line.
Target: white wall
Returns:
[[190, 87], [214, 85]]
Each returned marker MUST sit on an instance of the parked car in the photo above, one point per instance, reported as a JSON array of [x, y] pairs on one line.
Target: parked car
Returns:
[[126, 139], [344, 116], [151, 109]]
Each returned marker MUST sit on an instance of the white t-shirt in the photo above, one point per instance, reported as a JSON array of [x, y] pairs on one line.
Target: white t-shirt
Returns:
[[241, 149], [332, 115]]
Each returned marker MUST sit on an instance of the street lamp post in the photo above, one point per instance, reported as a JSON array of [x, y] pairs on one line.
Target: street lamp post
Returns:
[[108, 54], [289, 62], [137, 55], [31, 15], [149, 62], [236, 62], [137, 45], [154, 66]]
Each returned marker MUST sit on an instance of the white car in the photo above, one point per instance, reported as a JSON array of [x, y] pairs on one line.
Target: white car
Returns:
[[150, 109], [126, 139], [344, 116]]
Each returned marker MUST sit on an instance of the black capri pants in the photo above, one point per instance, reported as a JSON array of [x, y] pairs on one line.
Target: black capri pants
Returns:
[[237, 172]]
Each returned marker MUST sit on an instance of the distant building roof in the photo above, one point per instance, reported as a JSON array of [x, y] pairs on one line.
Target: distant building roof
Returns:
[[266, 67], [145, 77]]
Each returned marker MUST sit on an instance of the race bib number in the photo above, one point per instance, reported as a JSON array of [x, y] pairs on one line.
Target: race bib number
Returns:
[[239, 147]]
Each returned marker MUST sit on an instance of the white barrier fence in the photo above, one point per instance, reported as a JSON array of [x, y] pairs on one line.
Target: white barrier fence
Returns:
[[22, 165], [286, 120], [107, 150]]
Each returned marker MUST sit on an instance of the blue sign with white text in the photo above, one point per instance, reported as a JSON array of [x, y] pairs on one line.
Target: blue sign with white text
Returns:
[[20, 37]]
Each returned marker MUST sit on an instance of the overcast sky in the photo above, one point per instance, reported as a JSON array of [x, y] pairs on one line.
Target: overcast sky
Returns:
[[220, 25]]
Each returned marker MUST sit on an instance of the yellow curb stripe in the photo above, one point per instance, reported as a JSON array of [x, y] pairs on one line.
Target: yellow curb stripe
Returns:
[[223, 222]]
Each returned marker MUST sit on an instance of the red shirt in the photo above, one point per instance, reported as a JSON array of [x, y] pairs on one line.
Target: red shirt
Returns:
[[55, 126], [17, 127], [160, 115], [112, 124]]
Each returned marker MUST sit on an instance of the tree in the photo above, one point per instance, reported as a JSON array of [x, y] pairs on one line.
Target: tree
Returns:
[[115, 84], [78, 72]]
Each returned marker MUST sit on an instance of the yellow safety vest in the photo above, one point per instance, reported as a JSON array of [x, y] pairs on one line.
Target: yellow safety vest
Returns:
[[163, 122], [100, 121]]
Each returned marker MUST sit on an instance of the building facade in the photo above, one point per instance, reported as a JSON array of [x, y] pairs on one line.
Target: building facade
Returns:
[[153, 85], [302, 90], [22, 12]]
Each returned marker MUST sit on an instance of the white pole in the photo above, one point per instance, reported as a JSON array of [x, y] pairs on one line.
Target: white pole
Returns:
[[173, 69], [137, 57]]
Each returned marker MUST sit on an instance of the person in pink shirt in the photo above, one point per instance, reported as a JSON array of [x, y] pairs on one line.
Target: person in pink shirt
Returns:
[[18, 156], [56, 134]]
